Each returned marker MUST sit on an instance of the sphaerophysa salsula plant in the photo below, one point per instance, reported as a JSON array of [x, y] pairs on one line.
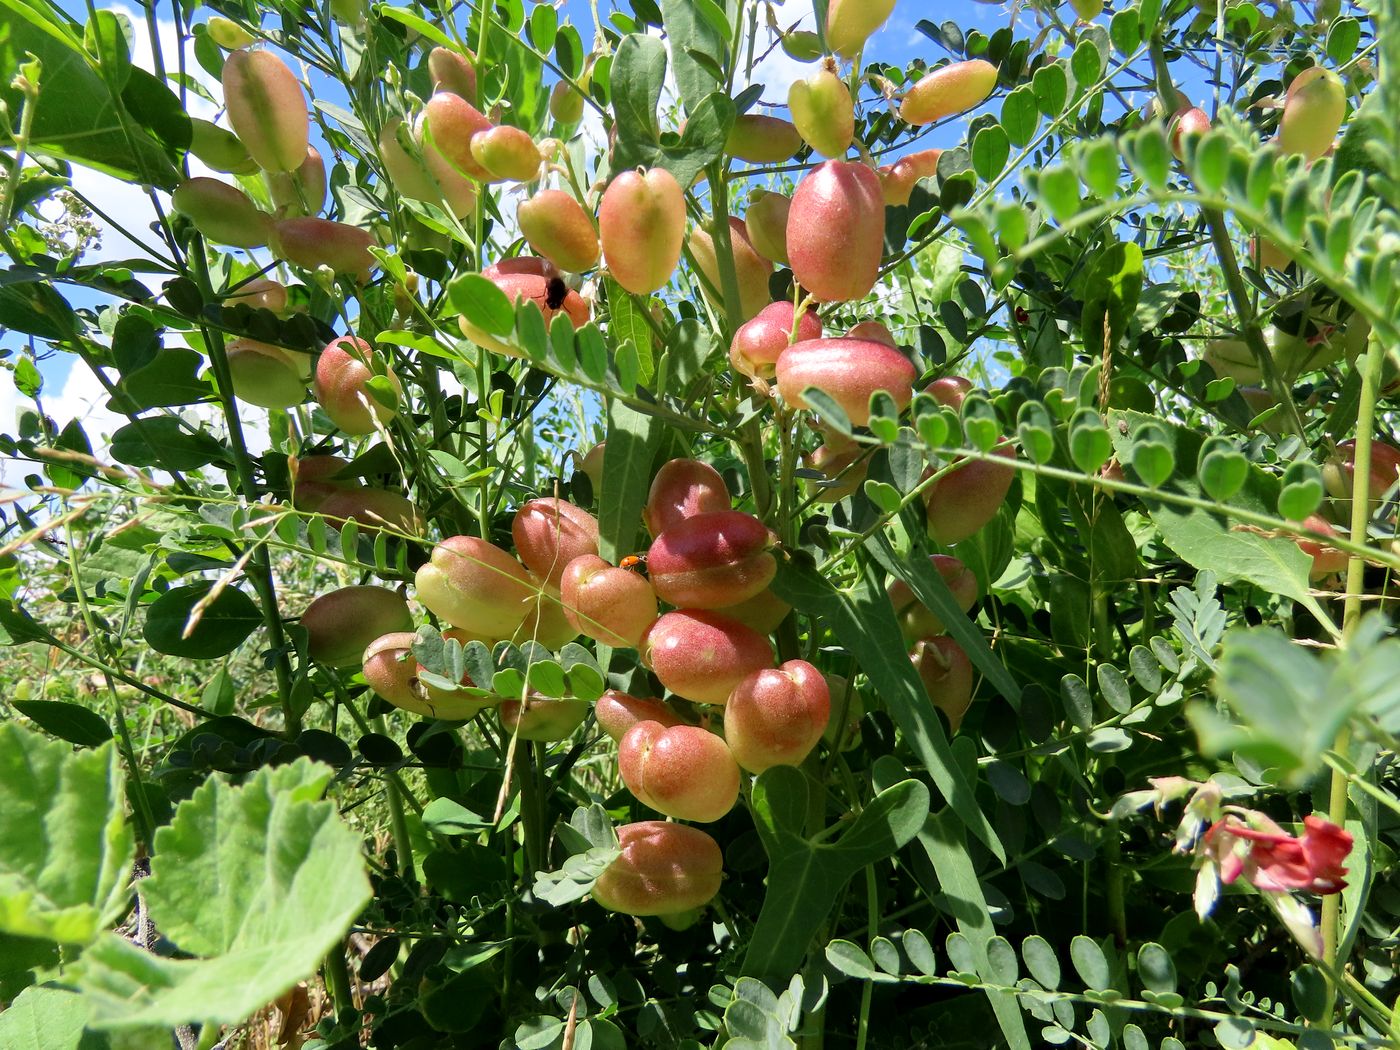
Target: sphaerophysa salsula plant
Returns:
[[606, 550]]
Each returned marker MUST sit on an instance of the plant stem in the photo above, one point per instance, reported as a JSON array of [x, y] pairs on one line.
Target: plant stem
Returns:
[[337, 973]]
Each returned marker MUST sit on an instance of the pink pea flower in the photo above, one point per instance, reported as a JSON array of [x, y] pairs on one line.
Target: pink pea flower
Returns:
[[1274, 861]]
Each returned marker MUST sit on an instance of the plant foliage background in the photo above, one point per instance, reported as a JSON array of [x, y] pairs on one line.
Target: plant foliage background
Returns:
[[209, 837]]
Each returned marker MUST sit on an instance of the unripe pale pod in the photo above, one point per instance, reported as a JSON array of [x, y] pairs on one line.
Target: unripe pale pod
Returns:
[[948, 91], [823, 112], [1312, 112], [950, 391], [682, 771], [506, 154], [874, 332], [219, 148], [1326, 559], [343, 372], [449, 122], [555, 225], [763, 612], [474, 585], [549, 293], [1187, 124], [761, 139], [958, 504], [848, 371], [592, 465], [228, 34], [1087, 10], [266, 375], [409, 176], [751, 270], [372, 510], [839, 463], [565, 104], [917, 620], [542, 720], [546, 622], [849, 23], [261, 293], [681, 489], [452, 72], [775, 716], [549, 533], [310, 242], [663, 869], [266, 108], [223, 213], [759, 342], [616, 712], [897, 180], [300, 192], [641, 224], [392, 671], [947, 675], [703, 655], [712, 560], [609, 604], [341, 624], [765, 224], [836, 231], [1232, 358], [1339, 473]]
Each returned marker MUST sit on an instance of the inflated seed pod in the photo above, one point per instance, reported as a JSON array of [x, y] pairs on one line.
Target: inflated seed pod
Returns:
[[836, 231], [641, 225], [223, 213], [266, 108]]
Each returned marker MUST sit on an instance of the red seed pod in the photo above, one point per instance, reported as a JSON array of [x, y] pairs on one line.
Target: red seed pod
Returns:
[[372, 510], [703, 655], [342, 623], [1326, 559], [683, 488], [949, 391], [641, 224], [343, 372], [917, 620], [555, 225], [310, 242], [616, 712], [607, 603], [759, 342], [761, 139], [453, 72], [1186, 124], [712, 560], [662, 869], [837, 461], [948, 91], [682, 771], [775, 716], [947, 675], [848, 371], [392, 671], [897, 180], [1339, 472], [958, 504], [266, 107], [448, 124], [836, 231], [874, 332], [223, 213], [549, 533]]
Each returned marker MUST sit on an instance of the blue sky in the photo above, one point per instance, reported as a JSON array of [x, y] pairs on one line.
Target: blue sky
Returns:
[[70, 392]]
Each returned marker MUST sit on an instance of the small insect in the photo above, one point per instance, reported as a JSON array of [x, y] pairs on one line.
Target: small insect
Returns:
[[555, 292], [635, 562]]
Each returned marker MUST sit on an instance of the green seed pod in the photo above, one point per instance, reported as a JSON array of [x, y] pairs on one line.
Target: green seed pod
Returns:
[[823, 113], [223, 213], [1312, 113], [300, 192], [220, 149], [228, 34]]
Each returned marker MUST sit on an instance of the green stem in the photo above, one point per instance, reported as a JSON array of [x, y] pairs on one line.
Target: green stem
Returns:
[[393, 795], [337, 975]]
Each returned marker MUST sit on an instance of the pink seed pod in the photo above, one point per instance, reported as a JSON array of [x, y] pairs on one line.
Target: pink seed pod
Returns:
[[616, 712], [759, 342], [266, 107], [873, 331], [961, 502], [310, 242], [848, 371], [1326, 560], [448, 124], [340, 624], [372, 510], [897, 180], [549, 293], [837, 460], [555, 225], [751, 270], [453, 72], [474, 585], [836, 231], [549, 533], [916, 620], [682, 771], [611, 605], [683, 488], [343, 372], [260, 293], [392, 671], [641, 224], [712, 560], [947, 675], [702, 655], [950, 391], [1187, 124], [948, 91], [763, 612], [765, 223], [506, 154], [663, 869], [775, 716], [300, 192]]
